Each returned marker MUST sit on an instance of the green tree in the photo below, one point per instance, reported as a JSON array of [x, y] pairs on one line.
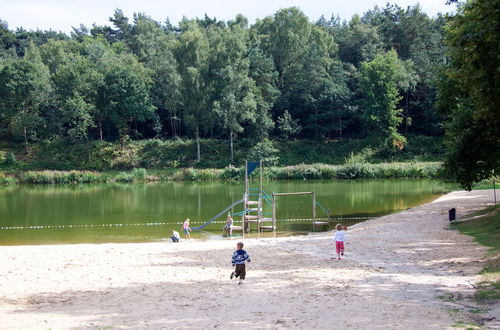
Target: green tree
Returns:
[[124, 96], [192, 55], [24, 89], [380, 97], [469, 92], [232, 88], [77, 83], [287, 126], [153, 46], [264, 75]]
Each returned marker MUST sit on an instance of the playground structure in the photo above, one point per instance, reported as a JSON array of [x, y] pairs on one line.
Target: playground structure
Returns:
[[253, 202]]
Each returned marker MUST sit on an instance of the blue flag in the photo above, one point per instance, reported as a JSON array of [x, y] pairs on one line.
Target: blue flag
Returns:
[[251, 166]]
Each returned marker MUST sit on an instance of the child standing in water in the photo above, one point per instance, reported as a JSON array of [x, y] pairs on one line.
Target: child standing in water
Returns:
[[339, 239], [186, 229], [238, 259]]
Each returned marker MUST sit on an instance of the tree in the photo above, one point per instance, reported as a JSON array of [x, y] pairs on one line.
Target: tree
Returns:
[[287, 126], [264, 75], [24, 89], [154, 48], [469, 91], [77, 83], [232, 88], [380, 97], [124, 96], [192, 53]]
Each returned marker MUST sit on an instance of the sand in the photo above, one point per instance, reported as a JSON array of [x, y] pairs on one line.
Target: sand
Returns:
[[402, 271]]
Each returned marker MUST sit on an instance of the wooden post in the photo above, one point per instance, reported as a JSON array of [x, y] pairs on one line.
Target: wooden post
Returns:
[[246, 200], [260, 206], [274, 212], [314, 209]]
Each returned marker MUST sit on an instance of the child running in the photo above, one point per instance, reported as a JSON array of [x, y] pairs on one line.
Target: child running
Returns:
[[339, 239], [238, 259], [186, 229]]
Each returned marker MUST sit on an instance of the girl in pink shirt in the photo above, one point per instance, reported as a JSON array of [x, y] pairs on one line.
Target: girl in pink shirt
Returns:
[[339, 239], [186, 229]]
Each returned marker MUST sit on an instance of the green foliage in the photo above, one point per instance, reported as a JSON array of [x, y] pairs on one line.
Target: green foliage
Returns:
[[319, 171], [66, 177], [469, 92], [327, 84], [7, 180], [10, 160], [379, 85], [265, 151], [137, 174]]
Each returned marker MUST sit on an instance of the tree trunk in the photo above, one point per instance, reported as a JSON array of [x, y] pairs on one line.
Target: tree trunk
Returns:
[[25, 138], [100, 130], [340, 124], [198, 151], [406, 114], [231, 145], [172, 124]]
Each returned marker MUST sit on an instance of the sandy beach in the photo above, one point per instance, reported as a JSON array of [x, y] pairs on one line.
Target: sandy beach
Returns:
[[395, 274]]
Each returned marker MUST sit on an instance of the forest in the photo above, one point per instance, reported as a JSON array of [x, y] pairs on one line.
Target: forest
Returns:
[[284, 78]]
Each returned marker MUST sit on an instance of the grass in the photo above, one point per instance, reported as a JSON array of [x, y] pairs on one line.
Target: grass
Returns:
[[484, 226], [487, 184], [181, 153], [230, 173]]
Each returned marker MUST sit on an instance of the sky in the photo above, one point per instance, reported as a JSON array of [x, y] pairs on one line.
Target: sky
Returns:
[[61, 15]]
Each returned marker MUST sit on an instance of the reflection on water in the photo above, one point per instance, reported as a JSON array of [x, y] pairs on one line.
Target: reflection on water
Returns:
[[172, 202]]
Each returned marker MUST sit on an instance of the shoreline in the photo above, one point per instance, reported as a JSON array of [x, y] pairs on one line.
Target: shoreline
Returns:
[[395, 270]]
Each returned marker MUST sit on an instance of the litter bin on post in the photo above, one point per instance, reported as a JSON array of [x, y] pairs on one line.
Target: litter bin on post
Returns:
[[452, 213]]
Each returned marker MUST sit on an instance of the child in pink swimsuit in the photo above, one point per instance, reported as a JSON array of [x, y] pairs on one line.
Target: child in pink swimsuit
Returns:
[[339, 239]]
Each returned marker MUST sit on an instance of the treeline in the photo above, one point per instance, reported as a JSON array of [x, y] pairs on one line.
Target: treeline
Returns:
[[280, 78]]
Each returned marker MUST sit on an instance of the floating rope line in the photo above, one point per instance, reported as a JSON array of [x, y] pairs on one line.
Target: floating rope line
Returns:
[[166, 223]]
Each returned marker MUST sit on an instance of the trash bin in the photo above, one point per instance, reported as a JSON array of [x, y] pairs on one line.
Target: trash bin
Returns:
[[452, 213]]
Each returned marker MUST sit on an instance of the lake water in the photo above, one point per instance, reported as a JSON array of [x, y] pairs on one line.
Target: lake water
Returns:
[[48, 214]]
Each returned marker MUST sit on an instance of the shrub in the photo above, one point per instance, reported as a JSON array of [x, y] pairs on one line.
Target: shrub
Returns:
[[137, 174], [6, 180], [10, 160], [51, 177]]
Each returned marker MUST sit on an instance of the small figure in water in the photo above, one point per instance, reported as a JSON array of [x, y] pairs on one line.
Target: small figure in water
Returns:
[[339, 239], [176, 237], [186, 229], [228, 227], [238, 259]]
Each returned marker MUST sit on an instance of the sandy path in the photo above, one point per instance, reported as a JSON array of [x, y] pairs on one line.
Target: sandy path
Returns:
[[395, 269]]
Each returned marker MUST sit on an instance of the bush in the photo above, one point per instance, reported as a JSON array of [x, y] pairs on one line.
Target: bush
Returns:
[[10, 160], [6, 180], [51, 177], [137, 174]]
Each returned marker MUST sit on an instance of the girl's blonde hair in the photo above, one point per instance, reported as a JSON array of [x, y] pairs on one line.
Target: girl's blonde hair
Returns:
[[338, 227]]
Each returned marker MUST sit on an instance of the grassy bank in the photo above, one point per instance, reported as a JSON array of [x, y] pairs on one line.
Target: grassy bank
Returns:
[[177, 153], [230, 173], [484, 226]]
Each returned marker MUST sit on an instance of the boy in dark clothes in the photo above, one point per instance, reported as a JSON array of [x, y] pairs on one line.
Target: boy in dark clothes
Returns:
[[238, 259]]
